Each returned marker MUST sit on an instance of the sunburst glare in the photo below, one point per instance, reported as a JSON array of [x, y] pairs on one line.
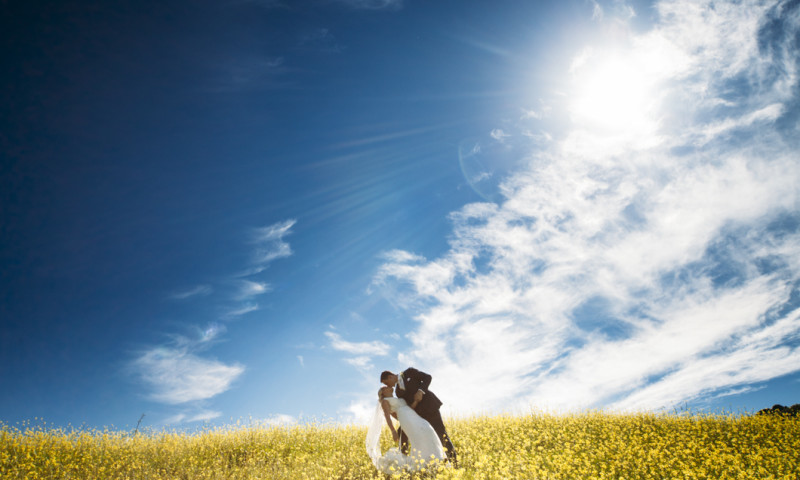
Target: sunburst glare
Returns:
[[613, 92]]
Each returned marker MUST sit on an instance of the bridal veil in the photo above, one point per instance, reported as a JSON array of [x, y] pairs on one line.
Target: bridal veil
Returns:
[[374, 435]]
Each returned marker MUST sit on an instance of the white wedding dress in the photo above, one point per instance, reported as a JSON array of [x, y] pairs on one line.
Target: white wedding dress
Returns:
[[424, 444]]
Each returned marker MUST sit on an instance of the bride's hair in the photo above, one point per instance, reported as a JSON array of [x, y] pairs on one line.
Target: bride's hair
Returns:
[[380, 393]]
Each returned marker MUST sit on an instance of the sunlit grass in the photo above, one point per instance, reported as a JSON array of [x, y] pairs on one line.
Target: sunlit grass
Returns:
[[590, 445]]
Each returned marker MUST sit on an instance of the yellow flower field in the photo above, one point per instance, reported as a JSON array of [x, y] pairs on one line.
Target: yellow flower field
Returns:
[[590, 445]]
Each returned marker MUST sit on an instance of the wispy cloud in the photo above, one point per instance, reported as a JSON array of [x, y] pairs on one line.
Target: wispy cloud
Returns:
[[270, 244], [634, 268], [200, 290], [205, 416], [176, 372], [766, 115], [177, 376], [532, 114], [241, 310], [597, 11], [618, 11], [499, 135], [361, 353], [210, 332], [249, 288], [361, 363], [189, 417], [375, 348]]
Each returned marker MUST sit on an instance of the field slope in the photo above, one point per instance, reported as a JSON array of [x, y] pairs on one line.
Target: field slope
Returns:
[[590, 445]]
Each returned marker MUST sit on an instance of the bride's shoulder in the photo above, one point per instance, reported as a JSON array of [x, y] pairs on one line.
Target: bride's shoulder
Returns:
[[394, 401]]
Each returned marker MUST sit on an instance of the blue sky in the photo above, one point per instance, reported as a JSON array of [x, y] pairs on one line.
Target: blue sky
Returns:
[[244, 209]]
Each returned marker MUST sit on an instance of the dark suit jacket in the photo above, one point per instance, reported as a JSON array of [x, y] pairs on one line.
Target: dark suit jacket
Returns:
[[415, 380]]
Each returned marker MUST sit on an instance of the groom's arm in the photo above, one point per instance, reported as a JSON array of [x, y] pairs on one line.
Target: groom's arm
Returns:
[[408, 397]]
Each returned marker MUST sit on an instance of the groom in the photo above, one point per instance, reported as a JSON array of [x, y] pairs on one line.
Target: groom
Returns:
[[412, 384]]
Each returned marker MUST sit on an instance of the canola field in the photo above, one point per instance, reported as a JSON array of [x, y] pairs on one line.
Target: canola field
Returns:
[[591, 445]]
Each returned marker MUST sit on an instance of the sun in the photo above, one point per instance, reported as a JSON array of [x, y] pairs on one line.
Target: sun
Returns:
[[611, 92]]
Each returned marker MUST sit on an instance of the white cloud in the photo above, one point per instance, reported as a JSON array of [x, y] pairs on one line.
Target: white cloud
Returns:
[[174, 419], [362, 352], [212, 331], [400, 256], [637, 269], [242, 310], [277, 420], [270, 244], [375, 348], [192, 292], [204, 416], [597, 11], [499, 135], [360, 412], [362, 363], [768, 114], [248, 288], [620, 12], [177, 376], [531, 114]]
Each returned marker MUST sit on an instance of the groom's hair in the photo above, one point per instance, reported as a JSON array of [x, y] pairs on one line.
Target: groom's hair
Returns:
[[385, 374]]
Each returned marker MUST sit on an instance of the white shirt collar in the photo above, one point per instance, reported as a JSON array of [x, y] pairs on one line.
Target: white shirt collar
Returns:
[[400, 382]]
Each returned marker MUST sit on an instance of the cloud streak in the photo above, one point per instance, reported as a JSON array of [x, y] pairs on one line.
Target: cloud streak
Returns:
[[358, 348], [270, 245], [248, 288], [200, 290], [241, 310], [636, 269]]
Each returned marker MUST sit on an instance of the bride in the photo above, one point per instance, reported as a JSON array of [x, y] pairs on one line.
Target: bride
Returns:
[[425, 444]]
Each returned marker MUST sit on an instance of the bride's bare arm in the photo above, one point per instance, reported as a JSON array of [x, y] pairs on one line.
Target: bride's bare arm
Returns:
[[386, 413]]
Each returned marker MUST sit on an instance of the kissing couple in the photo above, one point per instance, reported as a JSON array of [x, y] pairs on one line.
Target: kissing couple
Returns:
[[421, 435]]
